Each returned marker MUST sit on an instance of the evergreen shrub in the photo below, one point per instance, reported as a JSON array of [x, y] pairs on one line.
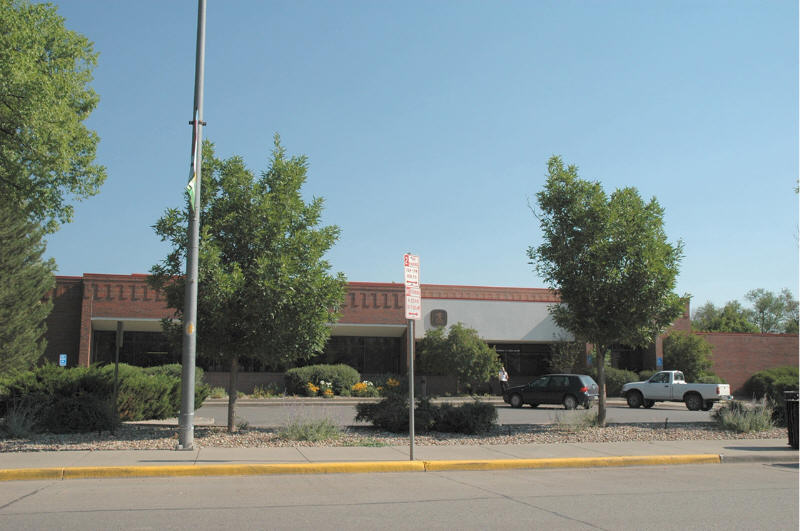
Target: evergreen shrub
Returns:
[[770, 384], [391, 414], [79, 399]]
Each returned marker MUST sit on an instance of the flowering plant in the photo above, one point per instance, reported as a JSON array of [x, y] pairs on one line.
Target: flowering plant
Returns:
[[365, 388], [311, 389], [325, 388]]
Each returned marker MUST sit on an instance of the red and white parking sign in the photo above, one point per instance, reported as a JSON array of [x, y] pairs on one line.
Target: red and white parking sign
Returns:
[[413, 292]]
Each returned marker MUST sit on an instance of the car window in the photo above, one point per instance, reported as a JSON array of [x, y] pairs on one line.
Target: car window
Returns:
[[678, 377], [540, 383], [559, 382], [661, 377], [588, 381]]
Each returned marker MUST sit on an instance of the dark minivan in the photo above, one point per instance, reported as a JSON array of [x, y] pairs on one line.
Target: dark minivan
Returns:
[[571, 390]]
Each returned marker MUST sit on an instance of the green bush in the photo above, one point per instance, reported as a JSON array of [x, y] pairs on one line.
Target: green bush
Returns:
[[341, 377], [391, 414], [771, 384], [76, 414], [740, 417], [710, 378], [79, 399], [471, 417], [615, 379], [312, 430], [646, 375]]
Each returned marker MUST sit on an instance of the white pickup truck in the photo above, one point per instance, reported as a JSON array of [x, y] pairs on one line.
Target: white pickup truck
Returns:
[[669, 386]]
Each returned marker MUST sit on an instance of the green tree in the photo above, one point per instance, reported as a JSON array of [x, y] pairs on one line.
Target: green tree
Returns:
[[687, 353], [46, 153], [26, 279], [609, 261], [773, 313], [460, 352], [265, 291], [730, 318]]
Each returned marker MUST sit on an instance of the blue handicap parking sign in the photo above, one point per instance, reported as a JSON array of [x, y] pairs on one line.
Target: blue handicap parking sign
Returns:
[[62, 360]]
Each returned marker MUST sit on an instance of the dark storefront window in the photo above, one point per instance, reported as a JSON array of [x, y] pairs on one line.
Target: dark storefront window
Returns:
[[143, 349], [373, 355], [631, 359], [524, 359]]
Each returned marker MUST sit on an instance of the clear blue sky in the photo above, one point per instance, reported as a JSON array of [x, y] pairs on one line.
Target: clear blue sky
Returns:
[[428, 126]]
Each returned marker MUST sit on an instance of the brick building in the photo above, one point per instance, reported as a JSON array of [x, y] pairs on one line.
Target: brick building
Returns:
[[371, 332]]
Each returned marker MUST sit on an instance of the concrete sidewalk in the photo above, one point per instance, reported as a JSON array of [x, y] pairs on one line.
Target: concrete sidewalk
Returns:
[[58, 465]]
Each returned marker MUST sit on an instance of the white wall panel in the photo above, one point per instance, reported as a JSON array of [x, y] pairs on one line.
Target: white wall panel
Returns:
[[496, 320]]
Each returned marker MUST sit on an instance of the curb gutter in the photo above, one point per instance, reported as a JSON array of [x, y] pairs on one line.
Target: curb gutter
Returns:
[[63, 473]]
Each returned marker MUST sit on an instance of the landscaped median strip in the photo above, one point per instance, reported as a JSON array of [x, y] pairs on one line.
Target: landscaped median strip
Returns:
[[347, 467]]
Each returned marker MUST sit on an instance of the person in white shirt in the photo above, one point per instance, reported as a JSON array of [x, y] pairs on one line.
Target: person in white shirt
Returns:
[[502, 375]]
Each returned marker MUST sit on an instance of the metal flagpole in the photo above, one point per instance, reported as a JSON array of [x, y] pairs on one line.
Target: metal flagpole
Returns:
[[186, 435]]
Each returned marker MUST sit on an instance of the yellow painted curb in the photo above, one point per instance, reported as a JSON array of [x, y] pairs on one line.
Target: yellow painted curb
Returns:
[[15, 474], [572, 462], [209, 470], [345, 467]]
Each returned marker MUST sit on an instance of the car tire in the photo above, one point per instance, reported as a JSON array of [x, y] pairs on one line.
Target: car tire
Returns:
[[693, 401], [707, 405], [649, 403], [534, 405], [634, 399], [587, 405], [515, 400], [570, 402]]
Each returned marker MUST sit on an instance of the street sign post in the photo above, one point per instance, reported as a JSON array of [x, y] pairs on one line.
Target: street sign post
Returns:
[[413, 306]]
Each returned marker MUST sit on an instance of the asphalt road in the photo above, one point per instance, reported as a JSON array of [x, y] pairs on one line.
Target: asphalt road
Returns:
[[344, 415], [732, 496]]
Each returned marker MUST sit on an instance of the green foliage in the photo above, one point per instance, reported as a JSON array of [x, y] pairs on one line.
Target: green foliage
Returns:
[[266, 391], [20, 421], [79, 399], [26, 280], [461, 353], [218, 392], [46, 153], [471, 417], [646, 374], [364, 389], [311, 430], [730, 318], [341, 377], [615, 379], [743, 418], [609, 260], [709, 378], [773, 313], [265, 289], [688, 353], [771, 384], [391, 414], [567, 357], [576, 420]]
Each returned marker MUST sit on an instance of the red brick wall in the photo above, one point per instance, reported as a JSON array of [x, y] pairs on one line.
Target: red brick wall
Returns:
[[373, 303], [64, 322], [736, 357]]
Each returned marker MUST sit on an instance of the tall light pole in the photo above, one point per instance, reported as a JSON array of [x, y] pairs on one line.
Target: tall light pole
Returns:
[[186, 435]]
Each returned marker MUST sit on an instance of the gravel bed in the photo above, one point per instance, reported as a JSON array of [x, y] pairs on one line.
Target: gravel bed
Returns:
[[148, 437]]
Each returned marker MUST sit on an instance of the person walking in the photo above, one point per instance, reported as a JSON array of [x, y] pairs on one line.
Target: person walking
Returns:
[[502, 375]]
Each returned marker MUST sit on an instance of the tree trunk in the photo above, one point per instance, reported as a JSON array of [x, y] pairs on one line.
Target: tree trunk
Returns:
[[232, 394], [601, 384]]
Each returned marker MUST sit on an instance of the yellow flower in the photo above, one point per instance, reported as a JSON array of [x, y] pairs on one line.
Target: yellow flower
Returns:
[[391, 382]]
